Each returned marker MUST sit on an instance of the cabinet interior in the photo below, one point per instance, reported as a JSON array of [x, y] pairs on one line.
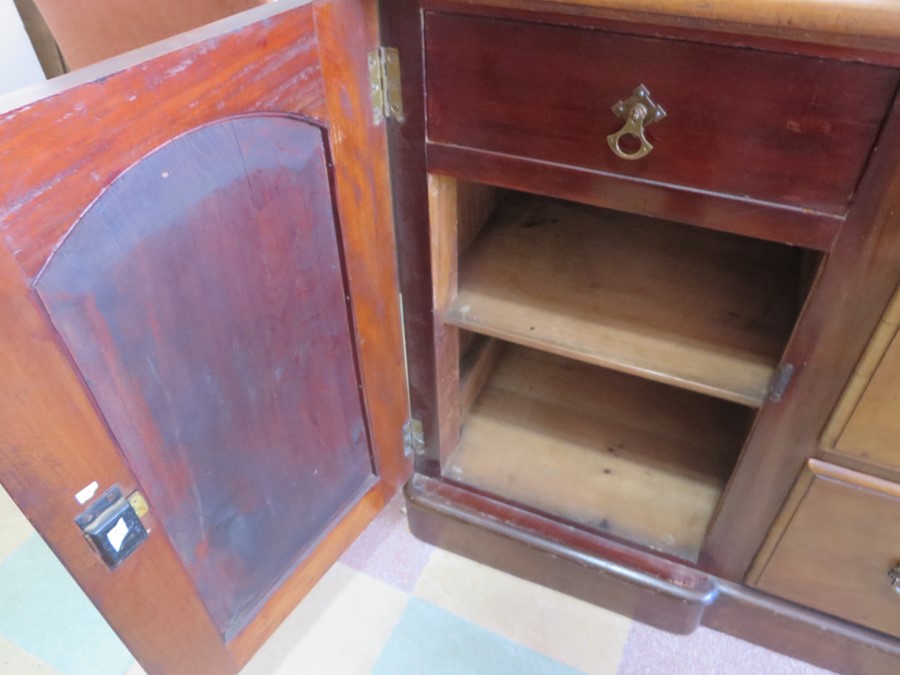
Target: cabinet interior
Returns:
[[600, 367]]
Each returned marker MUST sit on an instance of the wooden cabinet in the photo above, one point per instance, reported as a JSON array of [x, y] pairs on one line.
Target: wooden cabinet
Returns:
[[198, 296], [748, 123], [865, 427], [614, 368], [633, 358], [835, 548], [196, 322]]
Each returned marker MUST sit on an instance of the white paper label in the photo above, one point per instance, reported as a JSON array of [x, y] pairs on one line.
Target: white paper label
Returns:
[[86, 492], [117, 535]]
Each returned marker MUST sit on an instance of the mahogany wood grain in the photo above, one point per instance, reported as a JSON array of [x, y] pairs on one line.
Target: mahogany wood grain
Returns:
[[639, 460], [646, 587], [401, 27], [202, 298], [864, 30], [879, 18], [468, 521], [119, 111], [92, 133], [53, 444], [746, 123], [312, 568], [663, 593], [849, 296], [842, 569], [714, 211], [701, 310], [800, 632], [346, 30]]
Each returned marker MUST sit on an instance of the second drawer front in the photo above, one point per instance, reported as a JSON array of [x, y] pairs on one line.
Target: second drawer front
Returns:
[[835, 547], [779, 128]]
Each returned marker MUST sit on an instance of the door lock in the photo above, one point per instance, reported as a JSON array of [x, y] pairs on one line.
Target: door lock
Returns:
[[112, 526]]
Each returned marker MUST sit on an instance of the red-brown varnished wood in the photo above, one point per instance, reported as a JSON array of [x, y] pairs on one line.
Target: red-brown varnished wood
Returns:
[[401, 27], [820, 31], [847, 300], [717, 212], [632, 582], [800, 632], [202, 299], [854, 283], [346, 31], [774, 128], [119, 111], [64, 143], [52, 445], [642, 585], [863, 513], [59, 152], [313, 567]]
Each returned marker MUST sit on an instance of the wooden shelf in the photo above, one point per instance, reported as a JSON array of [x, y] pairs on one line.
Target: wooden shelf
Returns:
[[637, 459], [703, 310]]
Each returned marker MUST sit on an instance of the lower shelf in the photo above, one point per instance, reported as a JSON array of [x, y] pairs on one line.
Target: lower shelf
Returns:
[[633, 458]]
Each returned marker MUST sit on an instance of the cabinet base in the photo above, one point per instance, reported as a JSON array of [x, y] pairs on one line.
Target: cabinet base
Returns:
[[648, 588]]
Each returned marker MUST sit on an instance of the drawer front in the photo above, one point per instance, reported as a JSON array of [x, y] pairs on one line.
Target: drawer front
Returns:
[[865, 426], [834, 546], [784, 129]]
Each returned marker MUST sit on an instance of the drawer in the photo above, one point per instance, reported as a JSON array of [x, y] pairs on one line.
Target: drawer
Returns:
[[834, 545], [865, 427], [793, 131]]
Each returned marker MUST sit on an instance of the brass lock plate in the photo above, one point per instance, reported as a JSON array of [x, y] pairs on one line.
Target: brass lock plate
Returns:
[[638, 111], [640, 96]]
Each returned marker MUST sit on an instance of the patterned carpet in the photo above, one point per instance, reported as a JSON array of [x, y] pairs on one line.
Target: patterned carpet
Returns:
[[392, 606]]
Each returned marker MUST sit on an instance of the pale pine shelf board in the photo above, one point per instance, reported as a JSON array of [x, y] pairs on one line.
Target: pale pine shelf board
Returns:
[[703, 310], [622, 455]]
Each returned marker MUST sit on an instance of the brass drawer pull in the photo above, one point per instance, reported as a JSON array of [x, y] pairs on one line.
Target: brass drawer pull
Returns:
[[638, 111], [894, 577]]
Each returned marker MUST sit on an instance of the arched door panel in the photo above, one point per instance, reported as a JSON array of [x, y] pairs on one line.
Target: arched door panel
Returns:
[[202, 300]]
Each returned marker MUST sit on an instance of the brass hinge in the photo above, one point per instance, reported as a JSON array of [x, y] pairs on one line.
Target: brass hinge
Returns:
[[413, 437], [780, 381], [384, 79]]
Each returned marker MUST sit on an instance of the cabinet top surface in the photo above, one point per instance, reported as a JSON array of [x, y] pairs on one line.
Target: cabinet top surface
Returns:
[[870, 18]]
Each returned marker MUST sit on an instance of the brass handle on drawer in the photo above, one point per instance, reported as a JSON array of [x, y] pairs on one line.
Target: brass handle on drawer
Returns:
[[638, 111], [894, 577]]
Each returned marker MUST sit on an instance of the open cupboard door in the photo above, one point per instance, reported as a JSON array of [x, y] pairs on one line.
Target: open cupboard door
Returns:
[[200, 312]]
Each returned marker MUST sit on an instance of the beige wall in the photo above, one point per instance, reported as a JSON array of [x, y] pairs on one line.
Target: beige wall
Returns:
[[19, 66]]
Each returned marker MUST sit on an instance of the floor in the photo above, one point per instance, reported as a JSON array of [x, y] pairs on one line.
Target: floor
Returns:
[[391, 606]]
